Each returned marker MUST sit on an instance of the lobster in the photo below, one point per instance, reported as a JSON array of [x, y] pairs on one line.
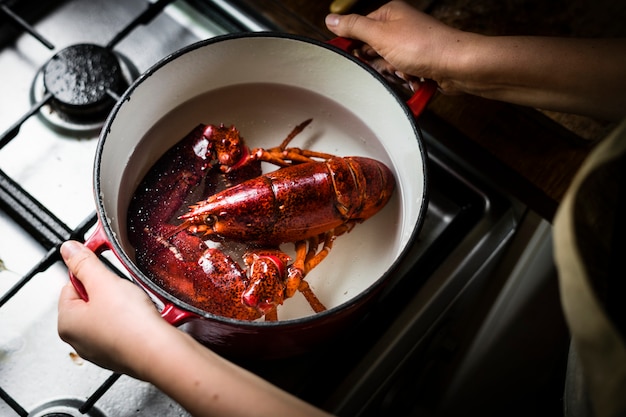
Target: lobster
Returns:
[[179, 262], [310, 200]]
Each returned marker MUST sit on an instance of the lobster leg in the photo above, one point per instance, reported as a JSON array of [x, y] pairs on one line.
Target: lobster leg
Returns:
[[272, 315], [288, 156], [305, 261], [310, 296], [305, 155], [273, 156], [283, 156], [314, 258], [296, 270]]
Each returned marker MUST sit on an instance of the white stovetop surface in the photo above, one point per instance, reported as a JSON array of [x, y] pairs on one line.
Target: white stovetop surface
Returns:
[[56, 168]]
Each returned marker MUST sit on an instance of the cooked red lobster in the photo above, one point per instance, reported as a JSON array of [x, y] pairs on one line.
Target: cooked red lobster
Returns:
[[313, 198]]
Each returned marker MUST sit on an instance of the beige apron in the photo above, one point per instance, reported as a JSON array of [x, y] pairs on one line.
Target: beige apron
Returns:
[[589, 237]]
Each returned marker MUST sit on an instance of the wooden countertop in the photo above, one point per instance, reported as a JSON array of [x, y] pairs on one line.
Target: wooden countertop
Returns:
[[532, 155]]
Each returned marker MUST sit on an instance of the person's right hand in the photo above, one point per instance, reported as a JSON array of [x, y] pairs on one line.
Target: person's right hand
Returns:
[[413, 43]]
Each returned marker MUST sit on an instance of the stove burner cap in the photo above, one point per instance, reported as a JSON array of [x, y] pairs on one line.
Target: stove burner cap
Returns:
[[85, 81], [66, 407], [80, 77]]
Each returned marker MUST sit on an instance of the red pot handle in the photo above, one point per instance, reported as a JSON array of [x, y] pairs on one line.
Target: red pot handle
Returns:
[[176, 316], [98, 243], [420, 98]]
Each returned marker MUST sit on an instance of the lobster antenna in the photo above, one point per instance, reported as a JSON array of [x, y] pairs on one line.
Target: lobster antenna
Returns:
[[178, 229], [295, 132]]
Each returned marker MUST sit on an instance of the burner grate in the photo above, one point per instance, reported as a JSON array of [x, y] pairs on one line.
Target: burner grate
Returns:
[[14, 15], [77, 64], [81, 82], [67, 407]]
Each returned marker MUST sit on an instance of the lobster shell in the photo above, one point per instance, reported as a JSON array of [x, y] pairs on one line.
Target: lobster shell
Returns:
[[264, 84]]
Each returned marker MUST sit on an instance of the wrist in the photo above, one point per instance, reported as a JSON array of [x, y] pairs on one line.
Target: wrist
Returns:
[[147, 358], [461, 64]]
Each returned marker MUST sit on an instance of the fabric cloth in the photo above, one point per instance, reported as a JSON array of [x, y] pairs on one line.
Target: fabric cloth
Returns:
[[590, 255]]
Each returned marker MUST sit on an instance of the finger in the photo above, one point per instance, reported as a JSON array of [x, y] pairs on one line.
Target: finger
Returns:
[[69, 294], [367, 51], [83, 263]]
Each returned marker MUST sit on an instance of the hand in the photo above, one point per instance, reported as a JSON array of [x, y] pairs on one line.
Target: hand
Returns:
[[118, 319], [542, 72], [413, 43]]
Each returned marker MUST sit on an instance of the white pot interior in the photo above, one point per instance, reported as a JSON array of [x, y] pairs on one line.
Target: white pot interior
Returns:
[[265, 85]]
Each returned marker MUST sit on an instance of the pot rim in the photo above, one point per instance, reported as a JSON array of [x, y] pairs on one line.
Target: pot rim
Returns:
[[164, 296]]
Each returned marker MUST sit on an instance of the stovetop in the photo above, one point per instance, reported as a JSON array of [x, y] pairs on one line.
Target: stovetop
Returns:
[[46, 198]]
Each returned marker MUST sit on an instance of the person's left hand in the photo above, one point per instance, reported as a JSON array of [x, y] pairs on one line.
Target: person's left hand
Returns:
[[110, 328]]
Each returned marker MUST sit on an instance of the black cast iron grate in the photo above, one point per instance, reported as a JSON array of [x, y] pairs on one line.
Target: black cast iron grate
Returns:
[[34, 217]]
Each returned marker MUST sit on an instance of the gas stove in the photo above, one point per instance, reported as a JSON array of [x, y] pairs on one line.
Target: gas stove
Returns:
[[64, 66]]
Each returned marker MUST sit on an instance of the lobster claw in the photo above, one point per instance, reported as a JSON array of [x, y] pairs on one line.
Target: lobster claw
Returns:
[[266, 288], [226, 143]]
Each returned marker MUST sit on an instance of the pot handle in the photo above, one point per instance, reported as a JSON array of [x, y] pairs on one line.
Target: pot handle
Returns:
[[176, 316], [98, 243], [420, 98]]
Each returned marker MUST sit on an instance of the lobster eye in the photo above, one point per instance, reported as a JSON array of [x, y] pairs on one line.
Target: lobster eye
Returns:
[[211, 220]]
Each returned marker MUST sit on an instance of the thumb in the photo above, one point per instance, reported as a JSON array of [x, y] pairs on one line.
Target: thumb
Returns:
[[352, 26], [82, 263]]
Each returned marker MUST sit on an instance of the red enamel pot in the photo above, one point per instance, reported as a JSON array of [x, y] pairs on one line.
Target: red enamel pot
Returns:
[[265, 84]]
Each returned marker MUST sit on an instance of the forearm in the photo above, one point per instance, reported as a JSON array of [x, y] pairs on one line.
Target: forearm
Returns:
[[586, 76], [119, 328], [207, 385]]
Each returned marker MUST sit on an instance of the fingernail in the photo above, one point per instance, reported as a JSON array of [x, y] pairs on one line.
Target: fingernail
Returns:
[[400, 75], [69, 248], [332, 19]]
